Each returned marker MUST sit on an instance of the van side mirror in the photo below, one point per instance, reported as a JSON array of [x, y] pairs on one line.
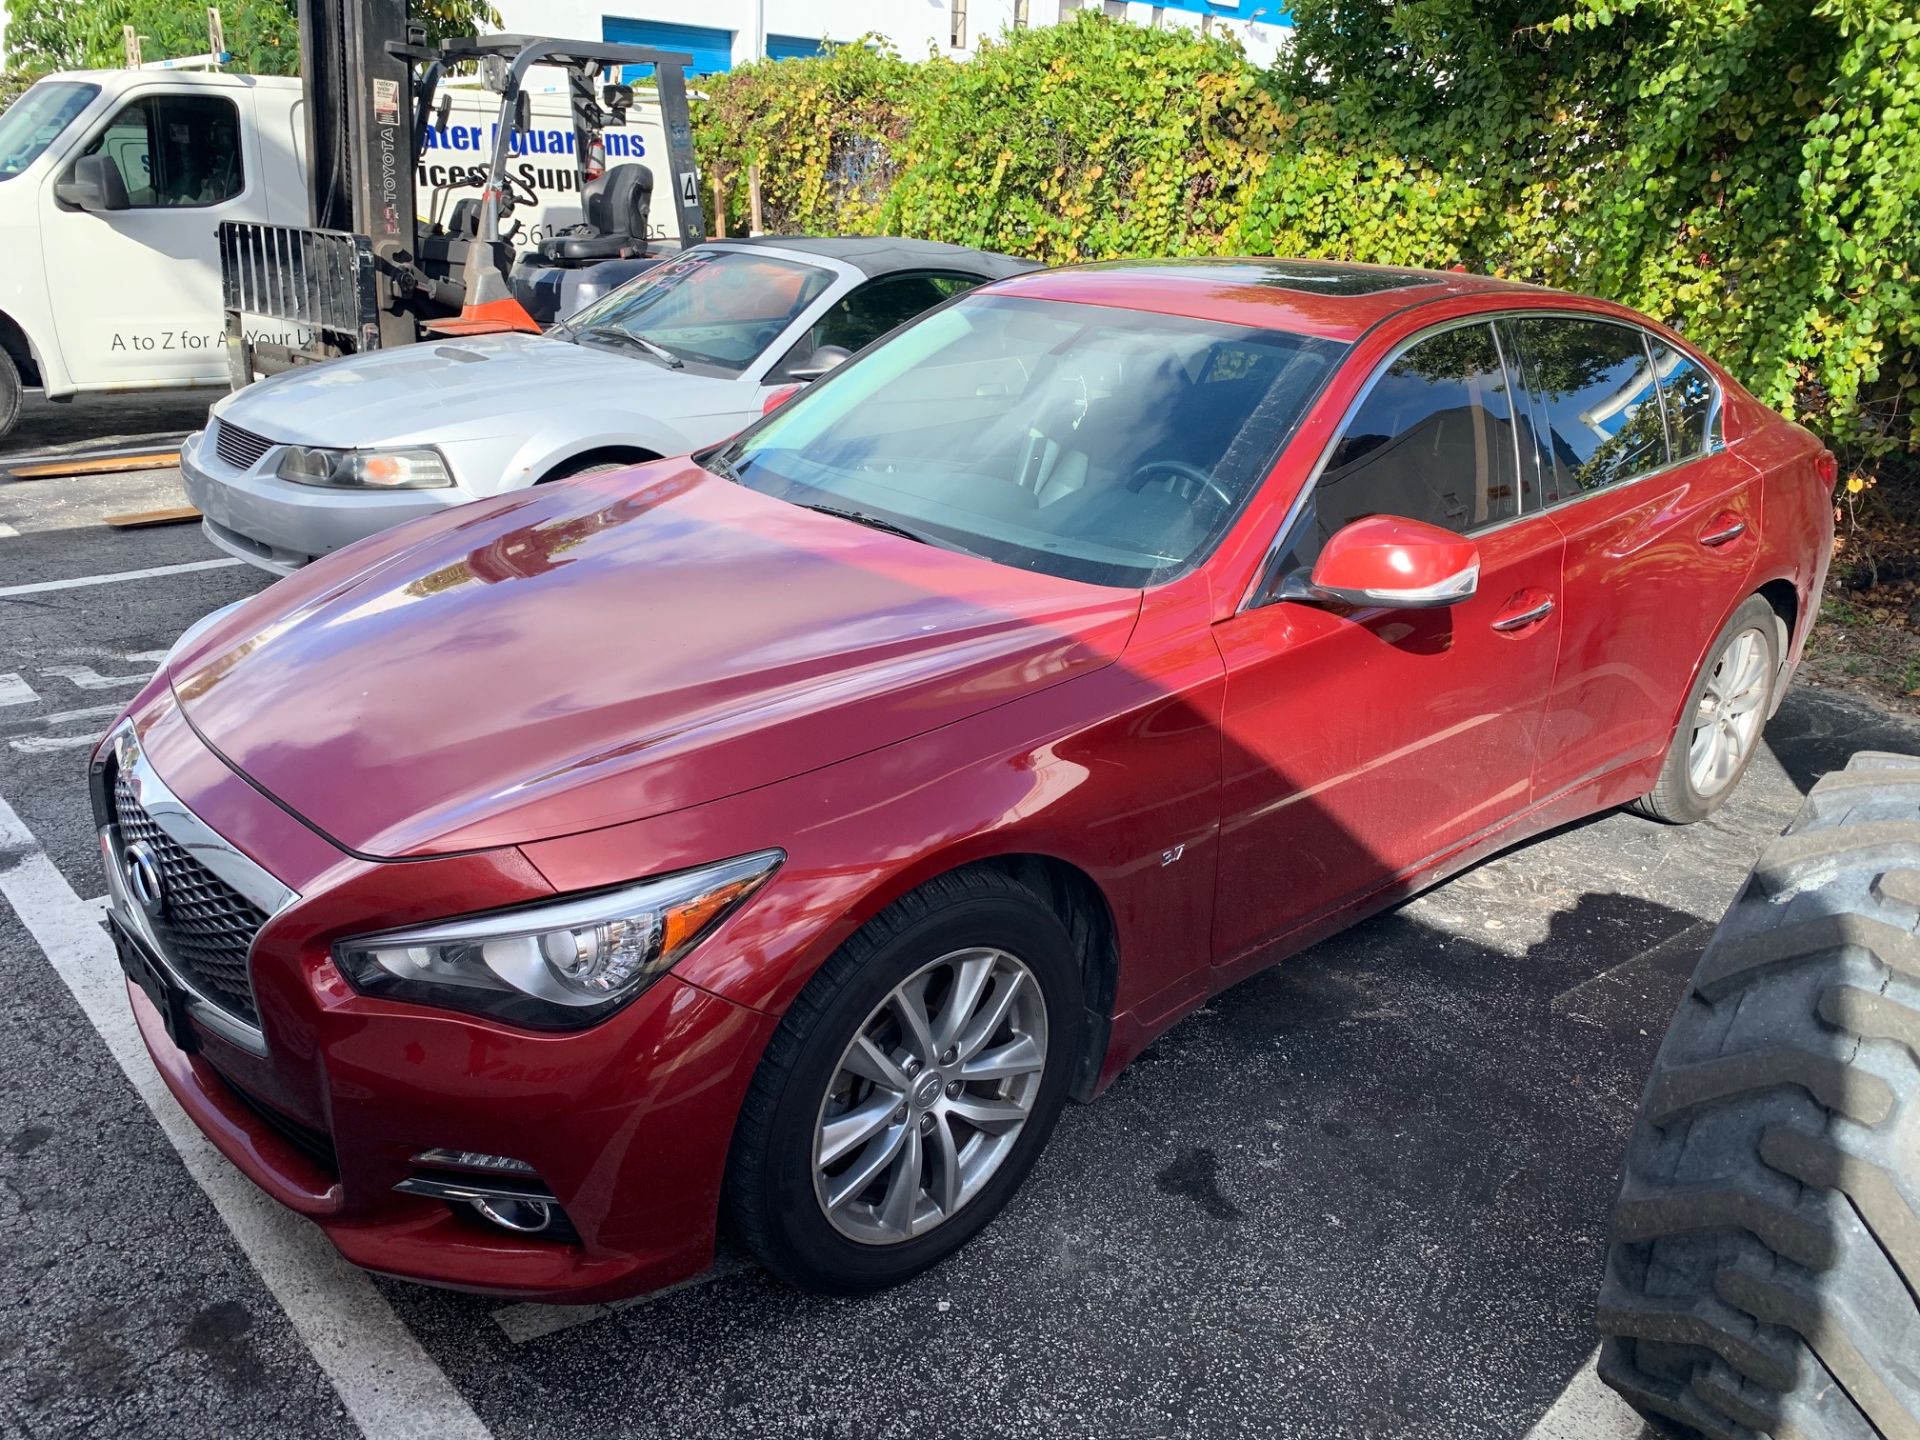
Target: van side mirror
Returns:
[[94, 184], [1392, 563]]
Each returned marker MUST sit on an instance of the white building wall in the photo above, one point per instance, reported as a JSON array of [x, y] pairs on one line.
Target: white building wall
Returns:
[[916, 27]]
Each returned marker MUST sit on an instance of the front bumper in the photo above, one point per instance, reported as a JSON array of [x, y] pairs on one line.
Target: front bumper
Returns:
[[280, 526], [627, 1124]]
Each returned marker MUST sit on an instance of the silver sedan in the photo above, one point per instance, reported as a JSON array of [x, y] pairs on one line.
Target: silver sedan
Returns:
[[684, 355]]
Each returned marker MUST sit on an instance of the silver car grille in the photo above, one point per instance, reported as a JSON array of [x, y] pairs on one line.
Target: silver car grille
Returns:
[[239, 448]]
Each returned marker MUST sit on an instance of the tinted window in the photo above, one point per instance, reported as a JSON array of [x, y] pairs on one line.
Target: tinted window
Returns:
[[864, 314], [1689, 394], [175, 151], [1085, 441], [1596, 415], [1432, 441]]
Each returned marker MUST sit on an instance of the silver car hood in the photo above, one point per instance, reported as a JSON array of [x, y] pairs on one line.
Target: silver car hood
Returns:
[[488, 385]]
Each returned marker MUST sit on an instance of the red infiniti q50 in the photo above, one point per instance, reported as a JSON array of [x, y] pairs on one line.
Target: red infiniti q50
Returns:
[[779, 836]]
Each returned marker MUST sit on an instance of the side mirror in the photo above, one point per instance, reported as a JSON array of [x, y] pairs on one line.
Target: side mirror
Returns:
[[94, 184], [1392, 563], [821, 361], [523, 113]]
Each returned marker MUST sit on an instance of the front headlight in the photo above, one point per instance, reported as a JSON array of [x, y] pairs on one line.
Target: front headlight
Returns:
[[561, 964], [421, 468]]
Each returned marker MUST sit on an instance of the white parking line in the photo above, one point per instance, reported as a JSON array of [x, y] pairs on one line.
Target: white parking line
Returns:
[[1588, 1410], [16, 691], [88, 678], [7, 532], [389, 1385], [41, 587]]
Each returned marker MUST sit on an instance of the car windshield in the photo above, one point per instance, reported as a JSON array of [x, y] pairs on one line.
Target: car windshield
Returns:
[[1092, 443], [35, 121], [719, 308]]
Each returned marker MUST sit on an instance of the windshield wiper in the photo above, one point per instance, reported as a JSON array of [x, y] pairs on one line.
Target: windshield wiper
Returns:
[[721, 464], [872, 522], [640, 342]]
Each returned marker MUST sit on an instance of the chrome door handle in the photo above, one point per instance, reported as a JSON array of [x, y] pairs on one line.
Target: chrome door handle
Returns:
[[1721, 537], [1525, 617]]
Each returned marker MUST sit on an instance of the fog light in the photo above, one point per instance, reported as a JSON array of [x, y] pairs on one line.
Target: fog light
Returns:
[[525, 1217], [472, 1160]]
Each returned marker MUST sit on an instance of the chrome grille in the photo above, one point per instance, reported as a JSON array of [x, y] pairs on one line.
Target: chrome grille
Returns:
[[239, 448], [205, 927]]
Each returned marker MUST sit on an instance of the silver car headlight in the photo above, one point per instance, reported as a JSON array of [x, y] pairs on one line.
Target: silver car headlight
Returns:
[[559, 964], [414, 468]]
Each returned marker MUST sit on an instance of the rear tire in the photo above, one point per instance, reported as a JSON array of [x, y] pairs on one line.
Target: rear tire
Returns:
[[778, 1190], [10, 393], [1683, 793], [1765, 1257]]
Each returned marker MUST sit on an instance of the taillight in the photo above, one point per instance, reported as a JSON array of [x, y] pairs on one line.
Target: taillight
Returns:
[[780, 397], [1827, 468]]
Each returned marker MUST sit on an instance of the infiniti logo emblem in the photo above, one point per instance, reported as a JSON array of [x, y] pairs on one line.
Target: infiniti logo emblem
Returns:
[[144, 879]]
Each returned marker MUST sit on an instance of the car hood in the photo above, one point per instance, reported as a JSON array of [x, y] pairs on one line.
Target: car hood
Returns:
[[613, 648], [455, 389]]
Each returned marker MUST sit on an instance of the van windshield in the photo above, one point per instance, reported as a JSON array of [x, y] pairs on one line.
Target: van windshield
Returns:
[[35, 121]]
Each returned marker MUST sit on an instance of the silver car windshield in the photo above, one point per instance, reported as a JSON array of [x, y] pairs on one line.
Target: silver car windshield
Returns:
[[719, 308], [35, 120], [1089, 442]]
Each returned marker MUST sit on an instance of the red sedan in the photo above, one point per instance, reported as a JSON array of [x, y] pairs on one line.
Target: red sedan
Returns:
[[784, 833]]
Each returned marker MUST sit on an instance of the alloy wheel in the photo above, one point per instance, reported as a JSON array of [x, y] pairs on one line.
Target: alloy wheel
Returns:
[[930, 1097], [1728, 718]]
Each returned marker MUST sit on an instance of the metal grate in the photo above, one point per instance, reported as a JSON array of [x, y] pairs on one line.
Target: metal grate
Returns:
[[320, 280], [205, 926], [239, 448]]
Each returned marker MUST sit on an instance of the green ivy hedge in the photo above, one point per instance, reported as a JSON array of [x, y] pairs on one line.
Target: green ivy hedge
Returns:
[[1748, 170]]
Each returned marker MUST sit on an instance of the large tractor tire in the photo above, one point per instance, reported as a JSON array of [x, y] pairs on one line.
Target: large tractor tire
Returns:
[[1765, 1257]]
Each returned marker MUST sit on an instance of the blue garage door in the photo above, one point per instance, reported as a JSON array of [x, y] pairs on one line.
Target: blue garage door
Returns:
[[794, 47], [712, 50]]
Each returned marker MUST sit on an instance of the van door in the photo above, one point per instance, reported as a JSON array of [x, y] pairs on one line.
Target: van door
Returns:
[[136, 291]]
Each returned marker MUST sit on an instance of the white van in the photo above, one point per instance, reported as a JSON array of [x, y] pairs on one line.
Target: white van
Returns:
[[129, 298]]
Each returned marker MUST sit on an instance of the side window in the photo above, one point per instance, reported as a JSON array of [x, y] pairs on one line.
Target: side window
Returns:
[[1596, 415], [175, 151], [1432, 441], [1690, 396], [869, 311]]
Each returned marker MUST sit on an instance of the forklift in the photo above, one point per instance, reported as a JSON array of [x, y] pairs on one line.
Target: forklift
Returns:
[[367, 273]]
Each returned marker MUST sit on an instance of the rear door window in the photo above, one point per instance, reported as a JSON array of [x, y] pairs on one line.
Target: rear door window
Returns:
[[1691, 399], [1433, 440], [1596, 418]]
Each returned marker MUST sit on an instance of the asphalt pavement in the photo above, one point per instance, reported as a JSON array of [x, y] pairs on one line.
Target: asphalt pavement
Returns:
[[1363, 1194]]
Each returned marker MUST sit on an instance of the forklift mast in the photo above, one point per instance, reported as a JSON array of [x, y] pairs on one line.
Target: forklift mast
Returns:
[[363, 275], [360, 143]]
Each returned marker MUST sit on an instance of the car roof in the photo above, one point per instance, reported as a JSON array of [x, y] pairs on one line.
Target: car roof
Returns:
[[875, 255], [1329, 298]]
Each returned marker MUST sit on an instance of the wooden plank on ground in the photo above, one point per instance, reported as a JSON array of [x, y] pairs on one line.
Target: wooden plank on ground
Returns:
[[98, 465], [140, 519]]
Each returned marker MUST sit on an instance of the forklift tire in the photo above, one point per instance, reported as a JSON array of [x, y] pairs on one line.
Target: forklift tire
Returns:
[[9, 393], [1765, 1256]]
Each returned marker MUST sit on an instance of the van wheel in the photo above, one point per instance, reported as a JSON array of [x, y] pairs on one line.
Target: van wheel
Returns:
[[910, 1088], [10, 390], [1720, 725], [1764, 1271]]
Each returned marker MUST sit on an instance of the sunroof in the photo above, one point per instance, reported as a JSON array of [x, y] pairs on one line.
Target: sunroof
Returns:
[[1338, 280]]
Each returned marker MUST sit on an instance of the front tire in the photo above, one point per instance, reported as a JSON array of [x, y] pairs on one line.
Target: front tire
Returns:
[[10, 393], [1765, 1261], [910, 1088], [1720, 725]]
